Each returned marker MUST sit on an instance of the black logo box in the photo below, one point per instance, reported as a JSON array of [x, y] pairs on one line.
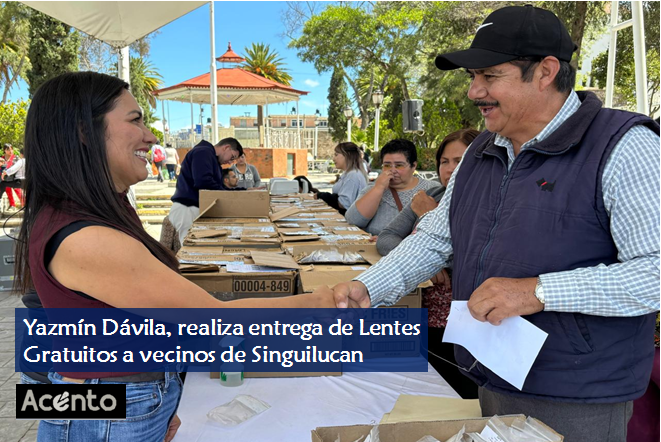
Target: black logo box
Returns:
[[71, 401]]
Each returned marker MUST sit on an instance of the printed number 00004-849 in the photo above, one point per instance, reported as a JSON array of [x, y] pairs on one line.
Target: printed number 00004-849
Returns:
[[260, 285]]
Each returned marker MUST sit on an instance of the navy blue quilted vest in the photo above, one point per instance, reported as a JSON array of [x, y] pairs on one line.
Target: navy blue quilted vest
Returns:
[[547, 215]]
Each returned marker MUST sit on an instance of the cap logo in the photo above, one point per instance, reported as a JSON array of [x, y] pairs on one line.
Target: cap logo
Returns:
[[483, 25]]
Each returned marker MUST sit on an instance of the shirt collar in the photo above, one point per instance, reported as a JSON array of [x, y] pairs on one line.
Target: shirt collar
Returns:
[[571, 105]]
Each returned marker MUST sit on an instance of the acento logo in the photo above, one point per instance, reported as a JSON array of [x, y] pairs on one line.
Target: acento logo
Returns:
[[61, 401], [66, 401]]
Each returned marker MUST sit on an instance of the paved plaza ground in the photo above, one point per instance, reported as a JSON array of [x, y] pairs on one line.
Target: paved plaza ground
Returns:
[[12, 430]]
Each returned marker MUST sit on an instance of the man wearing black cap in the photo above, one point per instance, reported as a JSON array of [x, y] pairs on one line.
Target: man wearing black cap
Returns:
[[553, 214]]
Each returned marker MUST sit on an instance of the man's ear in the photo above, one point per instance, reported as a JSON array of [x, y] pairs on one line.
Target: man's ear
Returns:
[[546, 71], [415, 164]]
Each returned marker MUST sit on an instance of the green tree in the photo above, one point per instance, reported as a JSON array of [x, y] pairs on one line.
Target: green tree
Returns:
[[263, 61], [625, 81], [53, 49], [12, 122], [582, 18], [145, 79], [267, 63], [14, 39], [365, 40], [337, 102]]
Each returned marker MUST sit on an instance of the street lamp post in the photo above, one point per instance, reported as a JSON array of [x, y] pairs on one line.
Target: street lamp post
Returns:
[[377, 99], [348, 112]]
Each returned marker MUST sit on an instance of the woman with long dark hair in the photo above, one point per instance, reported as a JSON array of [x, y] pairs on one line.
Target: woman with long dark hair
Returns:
[[81, 244], [348, 158]]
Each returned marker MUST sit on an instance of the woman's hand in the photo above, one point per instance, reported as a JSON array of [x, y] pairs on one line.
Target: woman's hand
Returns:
[[442, 278], [172, 429], [422, 203], [322, 297], [383, 181]]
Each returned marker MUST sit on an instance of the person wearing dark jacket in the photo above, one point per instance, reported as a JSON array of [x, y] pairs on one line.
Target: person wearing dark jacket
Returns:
[[200, 170]]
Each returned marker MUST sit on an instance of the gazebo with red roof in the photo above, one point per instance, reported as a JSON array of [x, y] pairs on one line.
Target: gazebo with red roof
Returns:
[[237, 86]]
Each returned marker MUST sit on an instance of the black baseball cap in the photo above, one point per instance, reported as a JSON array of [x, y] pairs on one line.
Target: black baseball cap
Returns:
[[509, 33]]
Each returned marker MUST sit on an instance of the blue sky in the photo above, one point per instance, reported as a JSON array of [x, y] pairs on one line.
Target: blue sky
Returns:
[[182, 51]]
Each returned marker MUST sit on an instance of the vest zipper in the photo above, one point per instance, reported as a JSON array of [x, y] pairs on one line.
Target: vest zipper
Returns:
[[487, 246], [480, 265]]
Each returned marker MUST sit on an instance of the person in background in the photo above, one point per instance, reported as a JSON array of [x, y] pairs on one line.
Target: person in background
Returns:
[[437, 298], [552, 215], [248, 176], [158, 156], [171, 160], [365, 158], [200, 170], [96, 134], [7, 162], [378, 204], [13, 176], [347, 158], [230, 180]]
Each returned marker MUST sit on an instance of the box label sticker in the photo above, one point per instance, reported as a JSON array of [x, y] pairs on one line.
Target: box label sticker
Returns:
[[261, 286]]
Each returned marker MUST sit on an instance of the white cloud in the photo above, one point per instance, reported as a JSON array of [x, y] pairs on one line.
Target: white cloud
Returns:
[[311, 83]]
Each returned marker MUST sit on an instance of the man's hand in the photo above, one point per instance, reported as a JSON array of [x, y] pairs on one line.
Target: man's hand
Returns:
[[172, 429], [351, 294], [500, 298], [383, 181], [422, 203]]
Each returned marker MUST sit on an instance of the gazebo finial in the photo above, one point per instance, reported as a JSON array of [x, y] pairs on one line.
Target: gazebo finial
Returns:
[[230, 56]]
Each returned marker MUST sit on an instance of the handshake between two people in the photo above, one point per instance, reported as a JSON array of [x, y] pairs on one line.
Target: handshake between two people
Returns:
[[352, 294], [493, 301]]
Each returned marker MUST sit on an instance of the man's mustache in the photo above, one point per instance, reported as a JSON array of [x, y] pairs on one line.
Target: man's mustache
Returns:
[[482, 103]]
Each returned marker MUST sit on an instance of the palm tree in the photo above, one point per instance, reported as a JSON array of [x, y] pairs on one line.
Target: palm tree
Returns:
[[145, 79], [261, 60]]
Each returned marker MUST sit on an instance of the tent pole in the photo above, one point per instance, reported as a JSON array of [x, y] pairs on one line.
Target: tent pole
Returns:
[[123, 65], [610, 66], [639, 55], [214, 80], [267, 136], [164, 121], [192, 121], [298, 124]]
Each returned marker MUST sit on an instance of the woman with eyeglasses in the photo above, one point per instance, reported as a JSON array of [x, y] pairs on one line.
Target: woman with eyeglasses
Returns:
[[348, 158], [381, 202]]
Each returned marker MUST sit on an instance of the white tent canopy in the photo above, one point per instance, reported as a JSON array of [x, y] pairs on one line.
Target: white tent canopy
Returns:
[[117, 23]]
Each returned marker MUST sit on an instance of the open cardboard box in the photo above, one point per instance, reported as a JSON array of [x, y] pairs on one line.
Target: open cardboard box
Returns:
[[225, 204], [407, 431]]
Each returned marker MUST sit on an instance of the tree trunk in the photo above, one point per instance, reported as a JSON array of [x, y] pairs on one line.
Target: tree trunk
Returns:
[[260, 124], [577, 28], [13, 78], [361, 103]]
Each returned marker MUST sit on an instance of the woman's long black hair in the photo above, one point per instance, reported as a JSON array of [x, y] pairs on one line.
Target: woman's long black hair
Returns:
[[66, 162]]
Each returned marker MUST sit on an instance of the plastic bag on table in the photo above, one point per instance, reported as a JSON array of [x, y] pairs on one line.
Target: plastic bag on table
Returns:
[[332, 255], [238, 410], [532, 428], [459, 436]]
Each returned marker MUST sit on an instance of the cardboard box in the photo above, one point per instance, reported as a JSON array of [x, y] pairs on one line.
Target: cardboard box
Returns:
[[213, 276], [407, 431], [224, 203], [229, 286]]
